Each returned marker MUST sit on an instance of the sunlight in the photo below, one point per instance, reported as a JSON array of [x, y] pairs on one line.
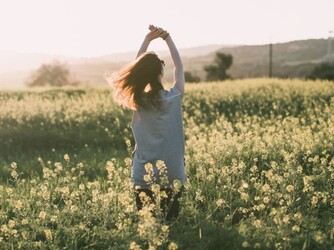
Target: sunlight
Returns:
[[78, 28]]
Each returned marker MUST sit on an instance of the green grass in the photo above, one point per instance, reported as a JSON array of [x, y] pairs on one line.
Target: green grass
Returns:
[[259, 155]]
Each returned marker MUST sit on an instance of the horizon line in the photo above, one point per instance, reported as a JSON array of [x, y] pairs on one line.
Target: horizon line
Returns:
[[98, 55]]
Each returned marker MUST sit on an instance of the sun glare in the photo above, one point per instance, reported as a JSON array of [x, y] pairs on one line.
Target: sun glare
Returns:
[[85, 28]]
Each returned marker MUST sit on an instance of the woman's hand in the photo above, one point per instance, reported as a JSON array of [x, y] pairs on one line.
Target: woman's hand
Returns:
[[157, 32], [154, 33]]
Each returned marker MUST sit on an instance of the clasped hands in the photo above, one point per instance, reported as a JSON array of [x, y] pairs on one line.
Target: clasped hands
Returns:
[[156, 32]]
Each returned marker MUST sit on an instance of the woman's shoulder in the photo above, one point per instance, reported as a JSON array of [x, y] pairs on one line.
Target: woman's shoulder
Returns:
[[171, 93]]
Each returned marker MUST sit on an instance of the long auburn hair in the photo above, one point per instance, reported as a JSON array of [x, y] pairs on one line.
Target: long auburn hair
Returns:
[[130, 83]]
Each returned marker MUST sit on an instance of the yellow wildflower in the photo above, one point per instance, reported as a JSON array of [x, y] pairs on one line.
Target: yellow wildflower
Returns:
[[290, 188], [24, 234], [296, 228], [18, 205], [134, 246], [220, 202], [48, 234], [66, 157], [257, 223], [4, 228], [14, 174], [173, 246], [297, 215], [314, 200], [244, 196], [53, 218], [42, 215], [11, 223], [266, 199], [245, 244], [266, 188], [24, 222], [164, 228], [13, 165], [149, 168]]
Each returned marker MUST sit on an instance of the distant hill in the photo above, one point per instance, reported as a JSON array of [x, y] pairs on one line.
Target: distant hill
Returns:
[[291, 59], [294, 59], [15, 68]]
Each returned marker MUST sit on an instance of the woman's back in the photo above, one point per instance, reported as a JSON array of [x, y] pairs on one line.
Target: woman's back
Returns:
[[158, 133]]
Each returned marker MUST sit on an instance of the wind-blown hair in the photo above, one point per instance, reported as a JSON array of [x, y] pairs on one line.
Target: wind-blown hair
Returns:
[[130, 83]]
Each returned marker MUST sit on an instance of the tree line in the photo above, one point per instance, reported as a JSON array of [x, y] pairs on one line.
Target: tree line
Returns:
[[57, 74]]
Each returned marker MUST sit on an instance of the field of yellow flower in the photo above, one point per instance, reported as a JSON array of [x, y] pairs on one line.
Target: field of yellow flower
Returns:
[[259, 158]]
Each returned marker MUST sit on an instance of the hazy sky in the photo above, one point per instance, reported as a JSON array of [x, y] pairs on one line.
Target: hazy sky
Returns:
[[97, 27]]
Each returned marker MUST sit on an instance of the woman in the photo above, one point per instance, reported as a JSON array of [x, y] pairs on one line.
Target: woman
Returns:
[[156, 124]]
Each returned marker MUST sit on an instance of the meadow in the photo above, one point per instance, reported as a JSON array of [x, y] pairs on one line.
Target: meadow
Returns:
[[259, 159]]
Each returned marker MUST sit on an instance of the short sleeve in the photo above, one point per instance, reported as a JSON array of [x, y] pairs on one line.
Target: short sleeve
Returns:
[[173, 92]]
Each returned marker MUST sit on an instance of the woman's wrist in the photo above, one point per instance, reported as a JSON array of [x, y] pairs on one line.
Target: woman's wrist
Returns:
[[165, 36]]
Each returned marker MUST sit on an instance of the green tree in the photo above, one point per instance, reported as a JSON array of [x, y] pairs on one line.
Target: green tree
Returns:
[[324, 71], [54, 74], [217, 71], [189, 77]]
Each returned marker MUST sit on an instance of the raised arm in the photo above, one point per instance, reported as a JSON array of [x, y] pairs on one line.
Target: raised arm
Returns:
[[178, 66], [153, 34], [143, 47]]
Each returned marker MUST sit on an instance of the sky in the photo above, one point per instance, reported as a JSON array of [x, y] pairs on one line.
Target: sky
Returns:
[[86, 28]]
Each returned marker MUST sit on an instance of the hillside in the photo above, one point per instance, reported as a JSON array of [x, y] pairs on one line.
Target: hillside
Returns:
[[291, 59], [15, 68]]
